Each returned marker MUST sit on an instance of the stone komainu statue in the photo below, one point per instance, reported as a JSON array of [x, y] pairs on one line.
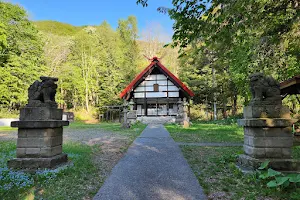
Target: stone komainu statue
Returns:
[[265, 90], [42, 93]]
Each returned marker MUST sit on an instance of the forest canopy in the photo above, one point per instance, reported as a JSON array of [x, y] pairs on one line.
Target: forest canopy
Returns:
[[93, 63], [222, 42]]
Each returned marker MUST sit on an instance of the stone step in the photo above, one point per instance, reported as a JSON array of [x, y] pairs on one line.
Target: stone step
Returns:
[[157, 119]]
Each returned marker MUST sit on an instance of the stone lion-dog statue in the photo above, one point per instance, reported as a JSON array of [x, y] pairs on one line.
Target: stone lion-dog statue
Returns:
[[265, 90]]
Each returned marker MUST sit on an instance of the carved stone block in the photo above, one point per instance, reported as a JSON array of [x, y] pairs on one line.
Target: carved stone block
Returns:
[[266, 111]]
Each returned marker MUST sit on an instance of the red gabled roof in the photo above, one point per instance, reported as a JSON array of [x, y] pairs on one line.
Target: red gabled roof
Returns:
[[152, 64]]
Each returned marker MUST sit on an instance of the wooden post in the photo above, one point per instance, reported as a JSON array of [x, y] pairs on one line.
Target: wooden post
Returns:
[[145, 107]]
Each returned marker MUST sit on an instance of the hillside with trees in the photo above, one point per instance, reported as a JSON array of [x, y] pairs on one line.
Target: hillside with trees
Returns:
[[214, 49], [93, 63]]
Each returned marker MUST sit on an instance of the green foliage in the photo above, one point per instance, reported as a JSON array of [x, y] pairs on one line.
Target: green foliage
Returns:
[[277, 179], [93, 63], [6, 113], [234, 39], [20, 54], [57, 28], [228, 121], [3, 39], [264, 165], [83, 115]]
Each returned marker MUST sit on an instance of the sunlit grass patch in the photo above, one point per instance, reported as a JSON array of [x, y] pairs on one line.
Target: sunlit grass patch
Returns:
[[132, 132], [199, 132], [7, 128]]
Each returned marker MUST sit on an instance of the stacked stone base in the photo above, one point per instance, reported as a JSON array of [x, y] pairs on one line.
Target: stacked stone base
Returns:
[[249, 163], [38, 163], [40, 139], [267, 136]]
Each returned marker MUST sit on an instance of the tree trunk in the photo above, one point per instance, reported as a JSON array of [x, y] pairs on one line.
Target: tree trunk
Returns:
[[74, 101], [234, 105], [224, 110], [86, 96], [215, 98], [62, 97]]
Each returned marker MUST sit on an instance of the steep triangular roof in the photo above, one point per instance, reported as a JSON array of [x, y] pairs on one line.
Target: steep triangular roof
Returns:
[[147, 71]]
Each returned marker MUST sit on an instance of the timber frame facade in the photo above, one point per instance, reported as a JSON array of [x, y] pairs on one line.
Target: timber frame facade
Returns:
[[156, 91]]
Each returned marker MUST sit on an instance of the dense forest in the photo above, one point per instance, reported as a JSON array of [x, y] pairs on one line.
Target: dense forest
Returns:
[[93, 63], [216, 45]]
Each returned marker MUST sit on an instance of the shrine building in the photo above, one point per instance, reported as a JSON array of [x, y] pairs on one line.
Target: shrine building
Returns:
[[156, 92]]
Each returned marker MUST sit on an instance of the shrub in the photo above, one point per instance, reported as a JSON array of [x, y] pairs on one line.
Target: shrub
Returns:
[[275, 179], [6, 113]]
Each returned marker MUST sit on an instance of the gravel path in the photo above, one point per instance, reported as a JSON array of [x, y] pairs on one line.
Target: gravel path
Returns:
[[8, 135], [152, 168], [84, 135]]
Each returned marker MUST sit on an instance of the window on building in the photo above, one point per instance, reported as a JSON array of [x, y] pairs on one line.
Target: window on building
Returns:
[[155, 87]]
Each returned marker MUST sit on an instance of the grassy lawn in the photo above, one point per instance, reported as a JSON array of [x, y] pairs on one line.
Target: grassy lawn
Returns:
[[217, 174], [199, 132], [7, 128], [132, 132], [81, 180]]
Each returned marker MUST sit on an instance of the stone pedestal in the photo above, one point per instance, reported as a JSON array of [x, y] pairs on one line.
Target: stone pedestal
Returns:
[[267, 136], [186, 119], [40, 138], [125, 123], [182, 117], [131, 117]]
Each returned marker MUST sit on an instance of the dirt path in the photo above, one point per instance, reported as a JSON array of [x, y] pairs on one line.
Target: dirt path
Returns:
[[85, 135]]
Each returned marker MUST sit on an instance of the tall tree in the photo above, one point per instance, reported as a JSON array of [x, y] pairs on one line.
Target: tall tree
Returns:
[[21, 54], [128, 33]]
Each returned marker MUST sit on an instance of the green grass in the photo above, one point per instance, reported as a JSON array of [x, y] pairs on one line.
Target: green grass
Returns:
[[7, 128], [217, 174], [131, 132], [83, 180], [79, 181], [199, 132]]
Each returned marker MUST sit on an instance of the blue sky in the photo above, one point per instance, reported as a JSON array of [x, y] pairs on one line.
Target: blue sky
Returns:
[[93, 12]]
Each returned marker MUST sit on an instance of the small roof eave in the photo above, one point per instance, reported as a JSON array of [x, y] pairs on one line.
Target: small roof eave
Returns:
[[290, 86]]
